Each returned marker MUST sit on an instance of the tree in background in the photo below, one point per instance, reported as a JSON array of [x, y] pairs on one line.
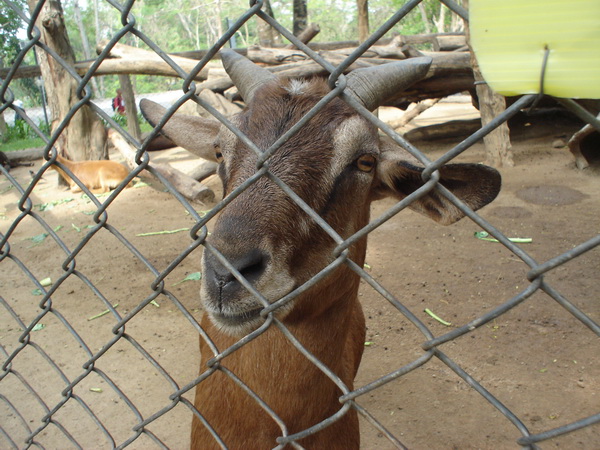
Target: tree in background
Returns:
[[183, 25], [363, 19], [84, 137], [22, 89], [9, 45], [300, 16]]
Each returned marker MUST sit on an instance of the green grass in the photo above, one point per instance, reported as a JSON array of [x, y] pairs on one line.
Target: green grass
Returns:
[[21, 144], [20, 136]]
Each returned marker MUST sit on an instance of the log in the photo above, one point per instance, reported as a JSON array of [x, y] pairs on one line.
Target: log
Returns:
[[450, 73], [274, 56], [453, 82], [449, 43], [452, 129], [118, 65], [414, 39], [185, 185], [221, 103], [137, 58], [584, 145], [412, 113], [307, 34], [203, 170], [30, 154], [427, 38]]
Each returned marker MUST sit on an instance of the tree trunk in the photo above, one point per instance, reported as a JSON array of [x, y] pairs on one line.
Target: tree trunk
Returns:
[[185, 23], [2, 121], [497, 143], [133, 125], [300, 16], [84, 138], [440, 22], [2, 128], [424, 18], [457, 24], [87, 53], [363, 19], [101, 88], [267, 35]]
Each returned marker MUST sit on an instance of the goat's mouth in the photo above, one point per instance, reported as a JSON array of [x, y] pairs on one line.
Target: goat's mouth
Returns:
[[234, 310], [240, 320], [237, 319], [237, 323]]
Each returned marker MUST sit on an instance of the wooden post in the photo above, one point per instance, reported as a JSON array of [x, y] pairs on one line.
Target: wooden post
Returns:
[[497, 143], [130, 107]]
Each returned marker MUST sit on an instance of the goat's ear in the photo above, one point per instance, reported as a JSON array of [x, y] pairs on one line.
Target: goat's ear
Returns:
[[398, 176], [195, 134]]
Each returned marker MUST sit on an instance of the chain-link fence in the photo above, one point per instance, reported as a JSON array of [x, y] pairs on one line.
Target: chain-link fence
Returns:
[[95, 360]]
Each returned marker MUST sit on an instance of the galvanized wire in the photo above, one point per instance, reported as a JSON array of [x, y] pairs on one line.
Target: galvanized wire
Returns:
[[174, 396]]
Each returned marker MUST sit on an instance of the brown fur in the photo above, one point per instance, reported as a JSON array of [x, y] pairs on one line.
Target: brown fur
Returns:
[[97, 176], [268, 238]]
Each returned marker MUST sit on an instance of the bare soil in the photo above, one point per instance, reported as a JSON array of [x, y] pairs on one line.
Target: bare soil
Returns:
[[537, 359]]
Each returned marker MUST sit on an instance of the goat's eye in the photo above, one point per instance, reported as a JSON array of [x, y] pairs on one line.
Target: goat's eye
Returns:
[[218, 155], [366, 163]]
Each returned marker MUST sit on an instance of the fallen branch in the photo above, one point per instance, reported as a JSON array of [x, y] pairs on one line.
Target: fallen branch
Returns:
[[578, 148], [452, 129], [307, 34], [30, 154], [121, 65], [185, 185], [131, 60], [412, 113]]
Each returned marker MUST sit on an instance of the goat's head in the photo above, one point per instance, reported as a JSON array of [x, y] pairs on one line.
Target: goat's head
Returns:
[[337, 164]]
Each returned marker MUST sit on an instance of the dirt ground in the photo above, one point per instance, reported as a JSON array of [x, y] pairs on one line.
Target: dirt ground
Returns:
[[537, 359]]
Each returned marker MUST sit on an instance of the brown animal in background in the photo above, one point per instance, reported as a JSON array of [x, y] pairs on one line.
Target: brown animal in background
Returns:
[[338, 165], [97, 176]]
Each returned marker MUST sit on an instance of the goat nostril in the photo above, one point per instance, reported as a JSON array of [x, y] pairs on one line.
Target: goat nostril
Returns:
[[251, 265], [253, 270]]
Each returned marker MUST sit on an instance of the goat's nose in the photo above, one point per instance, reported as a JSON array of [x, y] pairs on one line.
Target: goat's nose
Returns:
[[220, 282]]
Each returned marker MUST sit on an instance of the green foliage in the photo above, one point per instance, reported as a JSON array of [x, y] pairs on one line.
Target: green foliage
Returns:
[[22, 144], [184, 25], [20, 130], [20, 135], [10, 23], [122, 122], [10, 46]]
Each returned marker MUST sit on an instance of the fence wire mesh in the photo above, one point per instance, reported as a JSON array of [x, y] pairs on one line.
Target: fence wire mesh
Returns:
[[117, 385]]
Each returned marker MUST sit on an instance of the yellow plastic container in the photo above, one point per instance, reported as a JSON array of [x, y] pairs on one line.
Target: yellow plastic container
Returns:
[[509, 38]]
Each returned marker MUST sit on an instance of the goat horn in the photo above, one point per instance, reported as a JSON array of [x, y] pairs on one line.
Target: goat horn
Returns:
[[246, 75], [373, 85]]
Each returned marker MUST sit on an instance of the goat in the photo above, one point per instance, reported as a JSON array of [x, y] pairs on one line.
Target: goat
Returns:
[[97, 176], [337, 164]]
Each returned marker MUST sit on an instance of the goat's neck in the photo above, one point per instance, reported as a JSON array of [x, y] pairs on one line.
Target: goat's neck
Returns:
[[290, 384], [328, 321]]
